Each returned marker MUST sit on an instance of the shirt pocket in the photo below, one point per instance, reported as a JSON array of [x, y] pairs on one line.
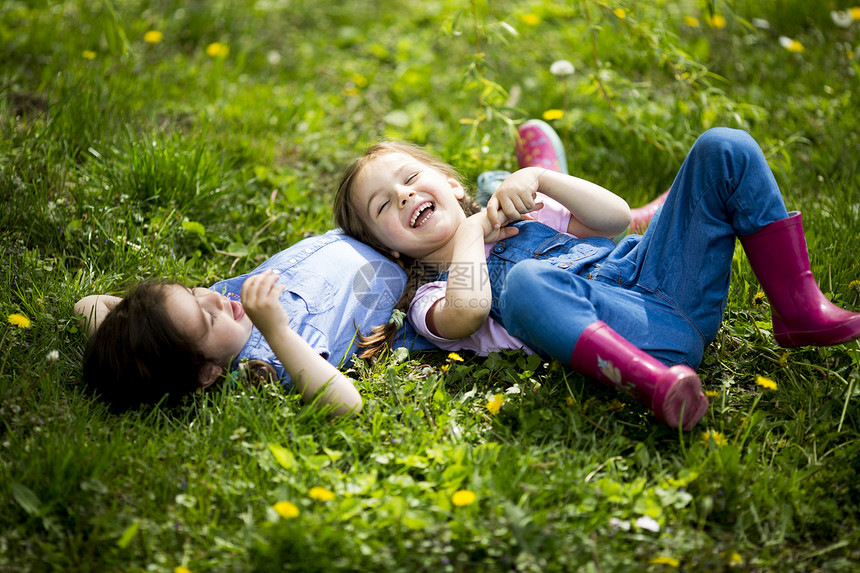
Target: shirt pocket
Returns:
[[315, 291]]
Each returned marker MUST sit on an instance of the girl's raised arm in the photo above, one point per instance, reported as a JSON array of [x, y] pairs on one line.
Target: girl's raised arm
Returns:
[[596, 212], [309, 371], [93, 309]]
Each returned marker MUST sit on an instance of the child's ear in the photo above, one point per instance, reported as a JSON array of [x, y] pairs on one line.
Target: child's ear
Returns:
[[209, 373], [459, 192]]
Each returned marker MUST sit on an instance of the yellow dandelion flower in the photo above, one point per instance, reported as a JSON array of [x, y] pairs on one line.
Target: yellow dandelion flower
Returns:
[[765, 382], [712, 394], [153, 37], [551, 114], [89, 55], [494, 404], [616, 405], [620, 13], [463, 497], [783, 358], [321, 494], [352, 92], [855, 13], [359, 80], [854, 285], [735, 559], [286, 509], [691, 21], [181, 569], [530, 19], [455, 357], [758, 297], [445, 367], [569, 401], [790, 44], [713, 436], [217, 50], [19, 320], [717, 21], [665, 560]]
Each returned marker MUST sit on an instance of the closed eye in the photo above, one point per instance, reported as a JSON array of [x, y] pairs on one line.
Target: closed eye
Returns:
[[411, 178], [381, 207]]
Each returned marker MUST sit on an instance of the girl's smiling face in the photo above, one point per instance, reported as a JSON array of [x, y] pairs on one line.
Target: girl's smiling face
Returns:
[[409, 206], [218, 325]]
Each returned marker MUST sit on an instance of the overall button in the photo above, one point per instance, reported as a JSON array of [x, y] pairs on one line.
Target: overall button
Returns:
[[563, 265], [499, 248]]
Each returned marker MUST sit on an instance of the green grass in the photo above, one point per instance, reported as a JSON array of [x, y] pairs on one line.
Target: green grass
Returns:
[[155, 159]]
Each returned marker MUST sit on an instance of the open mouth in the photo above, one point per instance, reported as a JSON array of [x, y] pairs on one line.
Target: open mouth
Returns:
[[422, 214], [238, 311]]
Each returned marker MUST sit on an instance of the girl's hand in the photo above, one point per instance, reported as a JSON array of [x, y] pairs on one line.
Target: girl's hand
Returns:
[[491, 234], [311, 374], [261, 298], [514, 198]]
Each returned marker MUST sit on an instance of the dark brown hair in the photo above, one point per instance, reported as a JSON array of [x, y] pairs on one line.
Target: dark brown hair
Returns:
[[345, 217], [137, 355]]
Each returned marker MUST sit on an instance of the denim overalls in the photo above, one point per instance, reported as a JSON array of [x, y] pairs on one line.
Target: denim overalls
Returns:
[[664, 291]]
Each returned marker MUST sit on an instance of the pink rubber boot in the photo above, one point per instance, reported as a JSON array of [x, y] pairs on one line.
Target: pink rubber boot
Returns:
[[673, 393], [642, 215], [802, 315], [538, 145]]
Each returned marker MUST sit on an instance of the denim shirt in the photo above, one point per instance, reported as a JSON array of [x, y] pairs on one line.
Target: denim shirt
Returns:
[[334, 285]]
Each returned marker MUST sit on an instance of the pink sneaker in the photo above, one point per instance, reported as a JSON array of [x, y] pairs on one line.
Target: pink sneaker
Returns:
[[538, 145]]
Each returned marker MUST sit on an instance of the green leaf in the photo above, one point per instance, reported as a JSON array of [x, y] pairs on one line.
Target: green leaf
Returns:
[[283, 456], [25, 497], [194, 227], [127, 535]]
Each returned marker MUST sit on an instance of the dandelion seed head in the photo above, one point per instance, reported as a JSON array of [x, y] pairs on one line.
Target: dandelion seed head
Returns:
[[842, 18], [561, 68]]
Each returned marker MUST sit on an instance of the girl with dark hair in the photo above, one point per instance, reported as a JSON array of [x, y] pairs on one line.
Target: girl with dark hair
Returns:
[[296, 315]]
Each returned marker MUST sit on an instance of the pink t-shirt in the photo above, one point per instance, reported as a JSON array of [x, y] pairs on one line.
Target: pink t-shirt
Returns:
[[492, 336]]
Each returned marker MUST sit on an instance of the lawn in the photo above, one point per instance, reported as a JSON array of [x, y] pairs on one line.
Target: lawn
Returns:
[[192, 140]]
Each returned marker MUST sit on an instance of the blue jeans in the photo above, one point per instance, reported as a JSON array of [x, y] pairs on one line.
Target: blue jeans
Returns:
[[664, 291]]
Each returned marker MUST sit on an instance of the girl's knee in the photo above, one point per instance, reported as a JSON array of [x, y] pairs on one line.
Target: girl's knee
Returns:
[[725, 140]]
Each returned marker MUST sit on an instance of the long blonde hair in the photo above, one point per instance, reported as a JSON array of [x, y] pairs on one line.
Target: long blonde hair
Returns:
[[417, 274]]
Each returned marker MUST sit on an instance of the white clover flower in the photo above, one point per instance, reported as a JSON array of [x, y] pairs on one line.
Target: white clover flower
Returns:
[[761, 23], [619, 524], [52, 356], [561, 68], [843, 18], [647, 523]]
